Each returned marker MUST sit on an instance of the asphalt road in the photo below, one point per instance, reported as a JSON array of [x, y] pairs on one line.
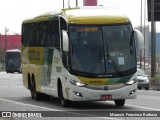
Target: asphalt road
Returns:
[[12, 90]]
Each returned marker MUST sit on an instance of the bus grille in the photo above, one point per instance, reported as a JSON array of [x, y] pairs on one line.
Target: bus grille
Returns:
[[103, 87]]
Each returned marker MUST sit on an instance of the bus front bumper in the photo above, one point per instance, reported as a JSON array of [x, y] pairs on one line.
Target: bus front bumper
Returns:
[[75, 93]]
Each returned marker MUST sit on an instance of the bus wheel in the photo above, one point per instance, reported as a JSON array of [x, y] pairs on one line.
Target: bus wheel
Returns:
[[32, 89], [119, 102], [64, 102], [34, 95]]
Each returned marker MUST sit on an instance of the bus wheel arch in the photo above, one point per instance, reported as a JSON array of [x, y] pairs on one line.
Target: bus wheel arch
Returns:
[[64, 102]]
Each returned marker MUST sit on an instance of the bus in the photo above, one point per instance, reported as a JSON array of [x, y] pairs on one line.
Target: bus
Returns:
[[67, 54], [13, 61]]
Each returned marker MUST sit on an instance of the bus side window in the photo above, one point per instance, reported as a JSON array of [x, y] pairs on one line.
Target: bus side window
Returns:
[[30, 36], [34, 33], [38, 35], [40, 38], [49, 34], [44, 34], [56, 34], [25, 34]]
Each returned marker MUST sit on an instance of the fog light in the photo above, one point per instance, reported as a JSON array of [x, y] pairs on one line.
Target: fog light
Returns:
[[132, 92], [77, 94]]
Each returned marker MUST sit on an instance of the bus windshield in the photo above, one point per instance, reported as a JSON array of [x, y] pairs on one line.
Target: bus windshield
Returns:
[[13, 61], [102, 50], [13, 55]]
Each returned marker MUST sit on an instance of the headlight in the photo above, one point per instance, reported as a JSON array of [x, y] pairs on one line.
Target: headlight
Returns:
[[77, 83], [147, 80], [130, 82]]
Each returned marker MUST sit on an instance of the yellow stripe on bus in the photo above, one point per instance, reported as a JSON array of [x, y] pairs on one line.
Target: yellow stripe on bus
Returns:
[[94, 81]]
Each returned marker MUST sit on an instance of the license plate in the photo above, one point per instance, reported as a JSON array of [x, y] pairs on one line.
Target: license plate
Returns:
[[106, 97]]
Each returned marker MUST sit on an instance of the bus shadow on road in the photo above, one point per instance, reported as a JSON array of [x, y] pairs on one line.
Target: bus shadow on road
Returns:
[[84, 105]]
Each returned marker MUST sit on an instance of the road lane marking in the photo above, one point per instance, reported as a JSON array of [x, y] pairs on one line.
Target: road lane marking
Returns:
[[153, 109], [28, 104], [12, 86], [108, 118]]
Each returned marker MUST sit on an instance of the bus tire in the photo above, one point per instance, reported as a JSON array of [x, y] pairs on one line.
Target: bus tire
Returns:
[[31, 89], [119, 102], [64, 102], [34, 94]]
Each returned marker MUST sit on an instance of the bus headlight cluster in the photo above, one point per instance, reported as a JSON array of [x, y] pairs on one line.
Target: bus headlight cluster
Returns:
[[131, 81], [77, 83]]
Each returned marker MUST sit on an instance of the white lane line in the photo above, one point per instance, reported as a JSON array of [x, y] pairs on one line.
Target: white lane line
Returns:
[[153, 109], [110, 118], [29, 105], [50, 109], [12, 86]]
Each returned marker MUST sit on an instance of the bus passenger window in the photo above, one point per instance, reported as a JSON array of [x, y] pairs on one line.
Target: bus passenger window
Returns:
[[49, 34], [56, 34], [25, 34], [43, 35]]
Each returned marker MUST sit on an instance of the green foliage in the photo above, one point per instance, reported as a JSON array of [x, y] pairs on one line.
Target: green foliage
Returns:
[[155, 78]]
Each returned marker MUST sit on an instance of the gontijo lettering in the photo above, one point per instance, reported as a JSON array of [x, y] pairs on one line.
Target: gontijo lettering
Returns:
[[34, 55]]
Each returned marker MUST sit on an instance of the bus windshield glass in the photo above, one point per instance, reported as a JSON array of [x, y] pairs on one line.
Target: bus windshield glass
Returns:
[[13, 55], [13, 61], [102, 50]]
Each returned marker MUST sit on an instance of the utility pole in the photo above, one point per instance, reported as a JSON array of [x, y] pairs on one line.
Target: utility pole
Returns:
[[144, 34], [0, 41], [0, 48], [76, 3], [69, 4], [153, 47], [141, 32], [63, 3], [5, 39]]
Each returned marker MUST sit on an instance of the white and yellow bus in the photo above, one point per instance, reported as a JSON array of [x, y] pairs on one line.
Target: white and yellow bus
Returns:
[[70, 54]]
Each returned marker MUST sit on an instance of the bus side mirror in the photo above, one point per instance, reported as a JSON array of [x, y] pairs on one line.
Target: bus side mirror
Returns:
[[139, 39], [65, 41]]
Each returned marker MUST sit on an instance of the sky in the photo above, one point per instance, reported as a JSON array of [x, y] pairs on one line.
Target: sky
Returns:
[[13, 12]]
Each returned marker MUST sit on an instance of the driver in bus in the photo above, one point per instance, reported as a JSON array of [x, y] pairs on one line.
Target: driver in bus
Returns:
[[76, 63], [116, 52]]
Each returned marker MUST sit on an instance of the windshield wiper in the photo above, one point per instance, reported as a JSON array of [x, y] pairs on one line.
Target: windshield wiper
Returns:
[[95, 65], [98, 60], [114, 65], [109, 58]]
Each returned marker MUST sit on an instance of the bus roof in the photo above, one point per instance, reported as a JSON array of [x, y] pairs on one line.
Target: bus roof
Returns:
[[14, 50], [85, 15], [95, 15]]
